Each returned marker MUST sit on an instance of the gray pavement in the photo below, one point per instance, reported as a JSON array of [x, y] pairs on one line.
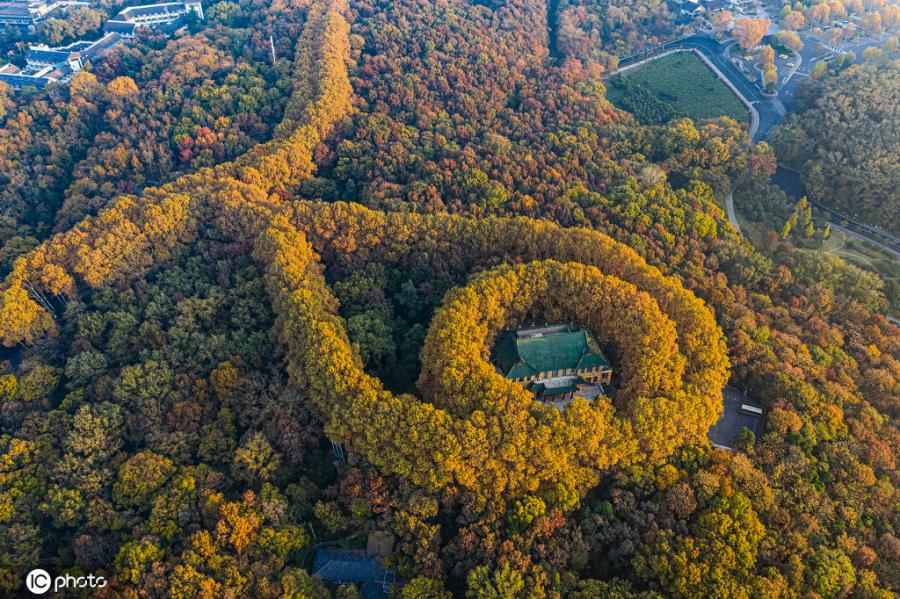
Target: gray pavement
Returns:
[[729, 210], [735, 419]]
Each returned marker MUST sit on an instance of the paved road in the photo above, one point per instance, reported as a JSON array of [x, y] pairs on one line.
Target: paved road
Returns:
[[729, 210], [856, 234], [771, 110], [735, 419], [809, 56]]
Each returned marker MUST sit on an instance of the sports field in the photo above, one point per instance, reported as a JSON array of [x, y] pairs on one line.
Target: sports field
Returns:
[[674, 86]]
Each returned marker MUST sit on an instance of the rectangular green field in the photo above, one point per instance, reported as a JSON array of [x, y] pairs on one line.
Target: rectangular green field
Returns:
[[674, 86]]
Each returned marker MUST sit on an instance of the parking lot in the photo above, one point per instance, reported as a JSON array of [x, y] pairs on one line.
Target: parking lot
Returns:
[[735, 419]]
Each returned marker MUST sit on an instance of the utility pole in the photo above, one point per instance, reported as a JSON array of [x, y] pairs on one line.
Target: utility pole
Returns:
[[272, 46]]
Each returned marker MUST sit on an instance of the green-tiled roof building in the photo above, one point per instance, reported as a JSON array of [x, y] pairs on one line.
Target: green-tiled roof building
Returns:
[[554, 360]]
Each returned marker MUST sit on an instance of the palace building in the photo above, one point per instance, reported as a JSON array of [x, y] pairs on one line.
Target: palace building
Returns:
[[553, 361]]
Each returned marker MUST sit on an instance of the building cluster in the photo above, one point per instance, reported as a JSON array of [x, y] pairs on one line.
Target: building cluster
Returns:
[[555, 362], [693, 8], [28, 13], [45, 65], [166, 17]]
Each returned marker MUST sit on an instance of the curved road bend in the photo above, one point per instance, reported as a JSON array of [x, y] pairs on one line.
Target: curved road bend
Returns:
[[729, 210], [770, 108]]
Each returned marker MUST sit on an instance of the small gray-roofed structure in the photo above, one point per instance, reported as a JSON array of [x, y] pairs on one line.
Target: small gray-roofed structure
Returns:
[[541, 330], [716, 5], [120, 27], [16, 78], [342, 566], [146, 10], [62, 72], [37, 55], [15, 14], [19, 81], [563, 385], [735, 419], [92, 50], [14, 10]]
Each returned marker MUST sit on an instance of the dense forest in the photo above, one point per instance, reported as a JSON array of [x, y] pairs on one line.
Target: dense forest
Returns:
[[600, 32], [876, 16], [146, 113], [231, 265], [845, 139]]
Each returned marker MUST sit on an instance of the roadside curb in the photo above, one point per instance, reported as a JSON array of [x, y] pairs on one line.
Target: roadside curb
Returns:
[[790, 75]]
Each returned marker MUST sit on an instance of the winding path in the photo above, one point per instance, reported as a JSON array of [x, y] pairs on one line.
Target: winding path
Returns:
[[792, 184], [769, 109], [729, 210]]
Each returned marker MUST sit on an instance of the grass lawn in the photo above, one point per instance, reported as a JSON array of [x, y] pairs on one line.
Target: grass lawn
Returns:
[[675, 86], [864, 255]]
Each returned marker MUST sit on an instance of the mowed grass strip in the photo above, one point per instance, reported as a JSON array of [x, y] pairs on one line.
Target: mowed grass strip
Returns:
[[677, 85]]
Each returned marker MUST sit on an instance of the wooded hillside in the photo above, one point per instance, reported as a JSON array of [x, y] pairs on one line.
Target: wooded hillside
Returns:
[[183, 359], [845, 139]]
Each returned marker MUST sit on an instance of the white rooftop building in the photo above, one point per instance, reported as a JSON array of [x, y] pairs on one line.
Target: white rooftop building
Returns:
[[28, 13], [166, 17], [46, 65]]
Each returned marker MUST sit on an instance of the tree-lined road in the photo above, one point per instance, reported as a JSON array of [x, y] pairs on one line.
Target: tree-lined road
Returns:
[[791, 183]]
